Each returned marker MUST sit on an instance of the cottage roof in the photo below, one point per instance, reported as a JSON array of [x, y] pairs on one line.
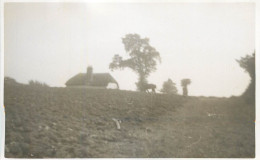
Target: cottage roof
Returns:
[[98, 79]]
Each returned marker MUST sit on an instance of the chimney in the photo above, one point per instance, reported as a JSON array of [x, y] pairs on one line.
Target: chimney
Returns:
[[89, 75]]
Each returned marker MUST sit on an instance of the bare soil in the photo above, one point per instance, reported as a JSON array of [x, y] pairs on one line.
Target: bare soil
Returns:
[[44, 122]]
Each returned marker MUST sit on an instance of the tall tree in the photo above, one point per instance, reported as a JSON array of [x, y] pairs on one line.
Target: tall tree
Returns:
[[169, 87], [184, 84], [248, 64], [142, 59]]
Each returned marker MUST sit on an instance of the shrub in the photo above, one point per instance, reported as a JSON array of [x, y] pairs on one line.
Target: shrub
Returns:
[[169, 87]]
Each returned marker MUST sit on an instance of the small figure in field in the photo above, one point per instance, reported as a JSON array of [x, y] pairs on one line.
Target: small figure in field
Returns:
[[184, 84], [148, 87]]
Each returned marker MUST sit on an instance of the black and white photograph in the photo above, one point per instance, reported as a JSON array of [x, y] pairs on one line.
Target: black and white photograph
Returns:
[[129, 79]]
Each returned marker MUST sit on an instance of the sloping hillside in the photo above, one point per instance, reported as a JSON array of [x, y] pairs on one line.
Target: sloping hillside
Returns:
[[66, 122]]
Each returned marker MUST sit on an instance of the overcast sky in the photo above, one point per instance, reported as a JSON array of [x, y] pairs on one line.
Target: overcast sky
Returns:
[[51, 42]]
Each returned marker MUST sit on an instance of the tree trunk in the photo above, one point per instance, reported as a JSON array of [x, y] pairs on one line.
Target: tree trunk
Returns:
[[185, 91], [141, 82], [249, 94]]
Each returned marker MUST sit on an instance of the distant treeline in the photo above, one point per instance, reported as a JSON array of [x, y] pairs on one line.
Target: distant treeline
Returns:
[[34, 83]]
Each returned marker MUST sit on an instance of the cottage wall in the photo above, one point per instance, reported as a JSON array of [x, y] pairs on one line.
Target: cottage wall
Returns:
[[84, 86]]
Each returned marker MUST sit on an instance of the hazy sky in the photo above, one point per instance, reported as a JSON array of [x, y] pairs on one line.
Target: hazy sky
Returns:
[[51, 42]]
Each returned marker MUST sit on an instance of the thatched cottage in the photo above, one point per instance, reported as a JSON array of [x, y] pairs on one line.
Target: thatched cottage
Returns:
[[90, 79]]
